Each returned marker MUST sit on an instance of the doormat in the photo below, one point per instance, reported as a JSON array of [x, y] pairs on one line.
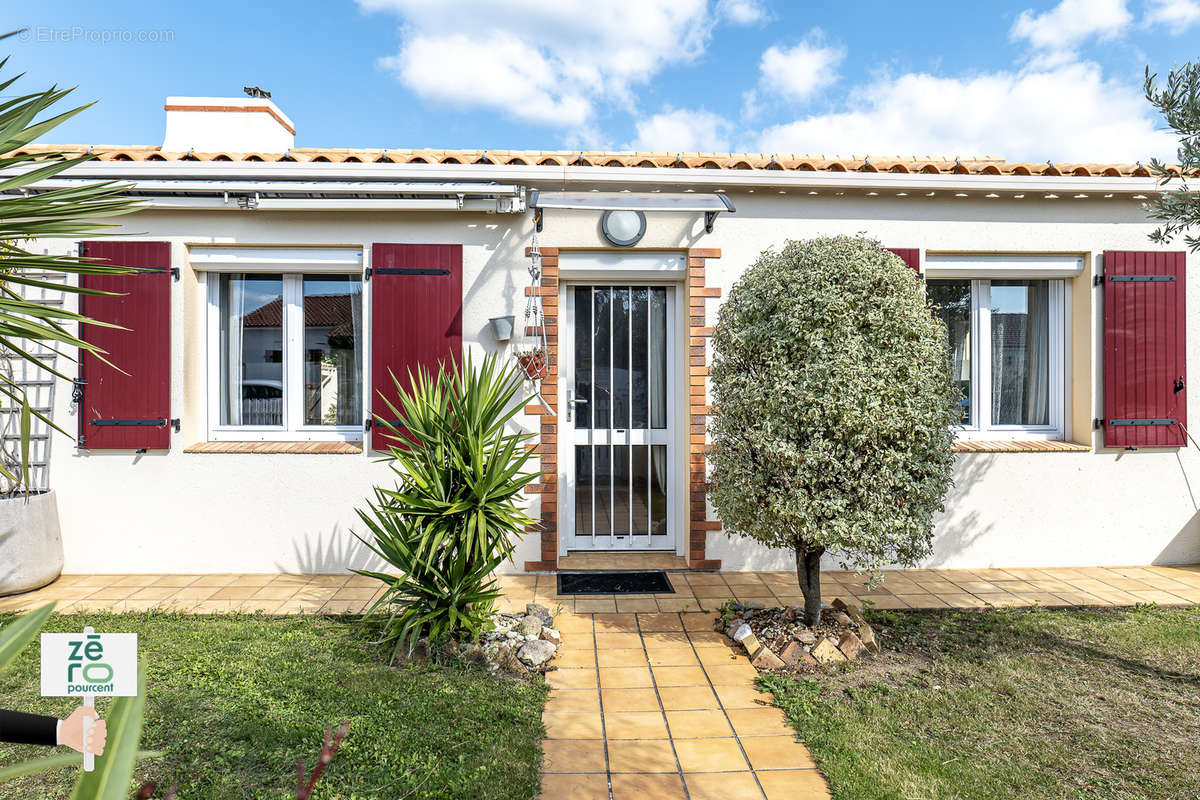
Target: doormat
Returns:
[[614, 583]]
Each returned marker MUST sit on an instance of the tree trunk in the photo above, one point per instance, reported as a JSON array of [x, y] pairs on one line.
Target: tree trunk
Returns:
[[808, 572]]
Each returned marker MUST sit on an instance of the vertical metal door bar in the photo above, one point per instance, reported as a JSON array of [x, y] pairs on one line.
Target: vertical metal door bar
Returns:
[[649, 415], [612, 412], [629, 405], [592, 404]]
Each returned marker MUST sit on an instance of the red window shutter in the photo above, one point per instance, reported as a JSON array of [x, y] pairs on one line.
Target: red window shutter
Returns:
[[1145, 404], [416, 316], [911, 256], [132, 411]]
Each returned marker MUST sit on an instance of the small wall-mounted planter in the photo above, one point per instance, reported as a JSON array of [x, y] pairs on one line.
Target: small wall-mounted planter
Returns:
[[534, 364], [502, 328], [31, 551]]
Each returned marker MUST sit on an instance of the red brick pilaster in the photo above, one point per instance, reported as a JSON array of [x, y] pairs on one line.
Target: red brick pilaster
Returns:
[[547, 447], [698, 334]]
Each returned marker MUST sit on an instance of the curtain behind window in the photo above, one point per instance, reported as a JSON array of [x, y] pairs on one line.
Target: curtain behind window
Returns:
[[233, 311], [251, 349], [1020, 313]]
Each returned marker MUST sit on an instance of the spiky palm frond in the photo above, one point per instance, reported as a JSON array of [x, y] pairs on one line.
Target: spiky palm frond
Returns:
[[30, 330], [457, 507]]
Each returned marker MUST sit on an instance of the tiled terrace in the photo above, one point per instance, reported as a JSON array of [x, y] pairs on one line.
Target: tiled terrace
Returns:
[[694, 591], [647, 702]]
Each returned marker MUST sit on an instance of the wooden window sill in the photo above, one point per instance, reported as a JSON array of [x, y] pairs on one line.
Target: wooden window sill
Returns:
[[304, 448], [1019, 446]]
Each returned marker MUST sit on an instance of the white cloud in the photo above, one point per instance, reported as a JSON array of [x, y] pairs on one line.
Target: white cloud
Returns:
[[1176, 15], [1071, 22], [798, 72], [549, 63], [681, 130], [1068, 112], [500, 71], [741, 12]]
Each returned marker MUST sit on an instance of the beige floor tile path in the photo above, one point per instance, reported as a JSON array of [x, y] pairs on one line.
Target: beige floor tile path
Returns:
[[655, 705], [648, 701]]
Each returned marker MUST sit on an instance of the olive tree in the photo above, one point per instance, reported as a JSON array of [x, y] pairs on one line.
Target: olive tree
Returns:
[[1178, 100], [832, 409]]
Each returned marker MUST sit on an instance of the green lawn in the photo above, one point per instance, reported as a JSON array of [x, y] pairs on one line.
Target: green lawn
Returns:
[[235, 700], [991, 705]]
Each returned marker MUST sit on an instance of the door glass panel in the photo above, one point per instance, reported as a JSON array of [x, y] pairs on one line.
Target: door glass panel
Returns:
[[583, 490], [332, 350], [620, 344], [658, 490], [952, 305], [1020, 312], [658, 357], [621, 369], [601, 357], [640, 501], [639, 368], [583, 356], [603, 478], [621, 489], [251, 343]]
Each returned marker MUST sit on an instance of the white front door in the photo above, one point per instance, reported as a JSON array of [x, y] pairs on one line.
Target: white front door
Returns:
[[618, 417]]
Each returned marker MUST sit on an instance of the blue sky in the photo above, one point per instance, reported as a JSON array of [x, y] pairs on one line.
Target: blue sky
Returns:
[[1026, 81]]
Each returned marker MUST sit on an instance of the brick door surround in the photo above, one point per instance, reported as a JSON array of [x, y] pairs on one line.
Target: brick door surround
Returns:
[[698, 524]]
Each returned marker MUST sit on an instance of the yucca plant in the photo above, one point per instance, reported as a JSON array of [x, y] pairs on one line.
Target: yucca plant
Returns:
[[457, 506], [29, 328]]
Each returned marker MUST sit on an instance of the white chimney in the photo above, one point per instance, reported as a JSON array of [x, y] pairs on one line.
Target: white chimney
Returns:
[[227, 124]]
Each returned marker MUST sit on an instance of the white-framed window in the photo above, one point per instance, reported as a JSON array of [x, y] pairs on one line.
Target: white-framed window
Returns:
[[1007, 350], [285, 356]]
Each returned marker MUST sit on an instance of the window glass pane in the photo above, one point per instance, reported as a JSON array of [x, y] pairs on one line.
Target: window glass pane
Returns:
[[952, 302], [332, 350], [1020, 312], [251, 349]]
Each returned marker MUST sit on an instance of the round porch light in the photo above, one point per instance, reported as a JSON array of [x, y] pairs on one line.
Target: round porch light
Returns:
[[623, 228]]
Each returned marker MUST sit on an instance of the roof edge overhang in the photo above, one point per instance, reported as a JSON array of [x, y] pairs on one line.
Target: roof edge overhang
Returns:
[[632, 178], [206, 192]]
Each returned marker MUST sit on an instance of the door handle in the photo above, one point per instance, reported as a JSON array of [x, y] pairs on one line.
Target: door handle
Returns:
[[571, 401]]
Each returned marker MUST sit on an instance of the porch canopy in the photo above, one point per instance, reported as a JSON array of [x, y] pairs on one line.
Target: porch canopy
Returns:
[[709, 204]]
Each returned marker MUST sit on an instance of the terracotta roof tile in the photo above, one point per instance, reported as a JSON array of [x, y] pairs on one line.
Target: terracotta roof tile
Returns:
[[320, 311], [780, 161]]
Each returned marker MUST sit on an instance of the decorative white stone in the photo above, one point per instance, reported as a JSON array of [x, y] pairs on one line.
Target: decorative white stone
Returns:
[[536, 653], [531, 626]]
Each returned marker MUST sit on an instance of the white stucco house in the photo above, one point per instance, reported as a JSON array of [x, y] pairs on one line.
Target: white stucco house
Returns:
[[287, 282]]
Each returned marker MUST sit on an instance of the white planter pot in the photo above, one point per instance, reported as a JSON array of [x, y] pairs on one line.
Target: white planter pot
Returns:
[[31, 551]]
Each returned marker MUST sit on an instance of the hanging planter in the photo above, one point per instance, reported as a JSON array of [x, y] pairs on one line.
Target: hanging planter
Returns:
[[532, 356], [533, 362]]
